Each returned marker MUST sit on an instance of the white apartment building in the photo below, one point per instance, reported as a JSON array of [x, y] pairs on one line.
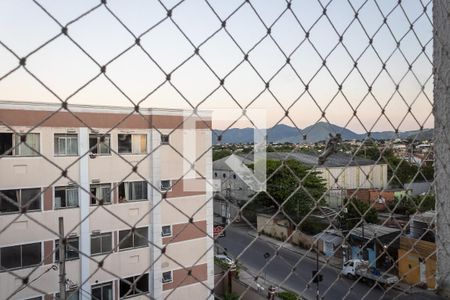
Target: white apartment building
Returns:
[[139, 224]]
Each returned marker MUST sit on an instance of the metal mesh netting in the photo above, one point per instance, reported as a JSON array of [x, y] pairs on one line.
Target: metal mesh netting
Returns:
[[136, 126]]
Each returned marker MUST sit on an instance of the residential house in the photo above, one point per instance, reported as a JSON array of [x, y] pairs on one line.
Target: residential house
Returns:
[[373, 242]]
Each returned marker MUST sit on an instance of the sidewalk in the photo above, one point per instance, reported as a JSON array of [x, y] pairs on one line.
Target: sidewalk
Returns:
[[262, 286], [330, 261]]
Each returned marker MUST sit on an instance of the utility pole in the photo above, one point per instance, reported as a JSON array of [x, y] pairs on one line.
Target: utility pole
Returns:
[[62, 260], [317, 277], [317, 274]]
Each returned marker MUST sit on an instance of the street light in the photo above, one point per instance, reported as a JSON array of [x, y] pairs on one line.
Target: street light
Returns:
[[317, 278]]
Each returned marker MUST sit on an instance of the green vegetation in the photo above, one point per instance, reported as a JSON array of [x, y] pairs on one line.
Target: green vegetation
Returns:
[[221, 263], [288, 295], [409, 205], [405, 172], [221, 153], [355, 210], [426, 202], [291, 185], [225, 266], [313, 227]]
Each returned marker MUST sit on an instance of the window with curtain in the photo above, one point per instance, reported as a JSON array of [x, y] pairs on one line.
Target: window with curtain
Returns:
[[28, 148], [101, 192], [132, 143], [66, 144], [133, 191], [97, 146], [66, 197]]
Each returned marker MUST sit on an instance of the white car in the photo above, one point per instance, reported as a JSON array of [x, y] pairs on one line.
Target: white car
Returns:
[[225, 259]]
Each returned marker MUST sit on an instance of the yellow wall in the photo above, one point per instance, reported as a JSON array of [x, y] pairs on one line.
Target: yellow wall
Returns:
[[409, 270]]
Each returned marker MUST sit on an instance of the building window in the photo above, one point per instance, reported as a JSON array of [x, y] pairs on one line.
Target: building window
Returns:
[[134, 285], [98, 147], [133, 191], [28, 148], [20, 256], [132, 143], [164, 138], [66, 197], [66, 144], [224, 175], [35, 298], [166, 185], [103, 291], [6, 143], [12, 200], [100, 192], [72, 249], [136, 239], [167, 277], [215, 174], [101, 243], [166, 230]]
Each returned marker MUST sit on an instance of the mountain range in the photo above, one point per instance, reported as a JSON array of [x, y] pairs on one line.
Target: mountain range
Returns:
[[320, 131]]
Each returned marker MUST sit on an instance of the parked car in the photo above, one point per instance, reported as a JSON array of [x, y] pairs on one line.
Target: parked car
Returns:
[[224, 259]]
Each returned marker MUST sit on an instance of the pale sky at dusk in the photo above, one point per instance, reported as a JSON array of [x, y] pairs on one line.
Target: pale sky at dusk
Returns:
[[64, 68]]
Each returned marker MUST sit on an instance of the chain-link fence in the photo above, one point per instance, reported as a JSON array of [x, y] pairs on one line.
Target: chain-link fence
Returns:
[[201, 149]]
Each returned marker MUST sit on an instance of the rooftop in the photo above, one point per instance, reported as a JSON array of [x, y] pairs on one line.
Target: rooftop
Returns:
[[335, 160], [373, 231], [428, 217]]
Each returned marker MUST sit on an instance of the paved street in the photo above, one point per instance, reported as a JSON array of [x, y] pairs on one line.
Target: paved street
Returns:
[[332, 287]]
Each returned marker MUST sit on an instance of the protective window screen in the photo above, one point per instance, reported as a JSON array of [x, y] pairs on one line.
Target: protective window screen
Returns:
[[232, 149]]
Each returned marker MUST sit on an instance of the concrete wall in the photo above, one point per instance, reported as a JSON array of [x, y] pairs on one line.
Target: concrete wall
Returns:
[[352, 177], [277, 228], [280, 229]]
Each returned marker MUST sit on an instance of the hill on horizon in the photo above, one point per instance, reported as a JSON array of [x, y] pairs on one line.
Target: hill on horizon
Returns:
[[320, 131]]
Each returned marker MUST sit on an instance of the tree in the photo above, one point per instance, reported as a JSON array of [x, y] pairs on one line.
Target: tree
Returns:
[[356, 209], [403, 170], [221, 153], [400, 170], [404, 205], [409, 205], [293, 185], [425, 202]]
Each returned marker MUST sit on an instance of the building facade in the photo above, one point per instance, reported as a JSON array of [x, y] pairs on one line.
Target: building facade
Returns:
[[131, 188], [340, 172]]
